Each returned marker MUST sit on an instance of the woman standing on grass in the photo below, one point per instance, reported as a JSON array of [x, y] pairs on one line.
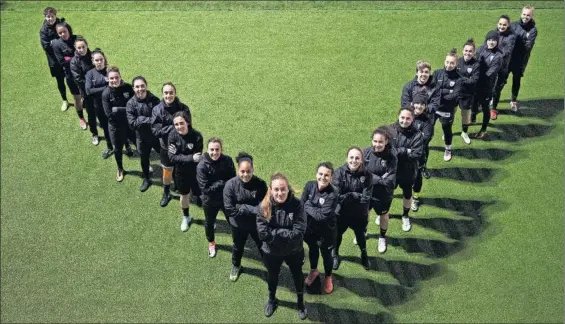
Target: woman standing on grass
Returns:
[[242, 195], [408, 146], [185, 146], [96, 80], [80, 64], [425, 124], [281, 224], [64, 50], [212, 173], [114, 100], [320, 200], [47, 35], [381, 162], [355, 185], [469, 68]]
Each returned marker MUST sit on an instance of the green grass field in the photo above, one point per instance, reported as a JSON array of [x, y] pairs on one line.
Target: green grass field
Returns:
[[293, 84]]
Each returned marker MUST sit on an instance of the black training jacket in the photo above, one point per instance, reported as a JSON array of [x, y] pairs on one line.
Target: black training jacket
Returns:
[[64, 52], [80, 65], [139, 113], [404, 139], [382, 166], [491, 64], [319, 207], [411, 88], [47, 35], [241, 200], [505, 44], [283, 234], [185, 146], [94, 84], [355, 191], [116, 99], [212, 177], [162, 118], [448, 83], [425, 124], [469, 72], [526, 35]]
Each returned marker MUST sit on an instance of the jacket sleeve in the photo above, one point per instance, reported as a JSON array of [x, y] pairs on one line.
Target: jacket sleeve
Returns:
[[106, 104], [416, 147], [473, 78], [427, 131], [509, 46], [389, 179], [131, 114], [337, 178], [365, 196], [264, 228], [156, 123], [229, 203], [406, 96], [452, 95], [298, 227], [202, 178], [495, 66], [91, 89], [324, 212], [177, 157], [531, 39], [45, 42], [433, 101], [78, 75], [58, 53]]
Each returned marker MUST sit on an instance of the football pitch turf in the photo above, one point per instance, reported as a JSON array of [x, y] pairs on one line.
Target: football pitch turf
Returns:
[[293, 84]]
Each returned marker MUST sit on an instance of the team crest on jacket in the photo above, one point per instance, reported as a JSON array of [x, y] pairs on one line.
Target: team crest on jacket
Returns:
[[126, 95], [383, 163], [451, 83], [290, 215], [322, 201], [190, 146], [362, 179], [469, 70]]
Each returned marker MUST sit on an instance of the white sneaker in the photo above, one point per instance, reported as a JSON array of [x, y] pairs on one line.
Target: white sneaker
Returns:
[[378, 220], [466, 138], [513, 106], [65, 105], [95, 140], [406, 226], [185, 222], [382, 245]]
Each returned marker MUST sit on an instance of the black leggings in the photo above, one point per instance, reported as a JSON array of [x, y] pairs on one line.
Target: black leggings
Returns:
[[144, 148], [61, 86], [482, 99], [210, 215], [103, 120], [358, 224], [446, 126], [273, 264], [500, 83], [120, 134], [88, 104], [239, 237], [516, 80], [326, 247]]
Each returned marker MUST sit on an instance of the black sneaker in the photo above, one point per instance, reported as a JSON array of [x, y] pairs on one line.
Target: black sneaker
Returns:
[[106, 154], [165, 200], [270, 307], [145, 185], [426, 173], [129, 151], [336, 262], [365, 260], [302, 313]]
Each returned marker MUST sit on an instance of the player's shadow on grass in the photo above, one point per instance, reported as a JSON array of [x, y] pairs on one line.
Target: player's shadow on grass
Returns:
[[545, 109], [474, 175], [322, 313], [492, 154], [516, 132]]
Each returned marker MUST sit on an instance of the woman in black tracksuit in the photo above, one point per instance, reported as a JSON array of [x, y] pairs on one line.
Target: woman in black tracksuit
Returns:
[[242, 195], [185, 146], [281, 223], [408, 145], [139, 111], [162, 125], [491, 61], [355, 185], [320, 200], [96, 80], [381, 162], [469, 69], [47, 35], [448, 83], [64, 50], [212, 173], [80, 64], [114, 100], [424, 124]]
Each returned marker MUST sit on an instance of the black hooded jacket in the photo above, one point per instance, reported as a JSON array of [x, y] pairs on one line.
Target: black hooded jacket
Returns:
[[448, 83], [241, 200], [526, 35], [425, 124], [411, 88], [114, 101], [95, 83], [162, 119], [355, 191], [80, 65], [283, 234], [382, 166], [47, 35], [469, 71], [64, 51], [491, 61], [212, 177], [319, 207], [139, 113], [185, 146], [505, 44], [408, 145]]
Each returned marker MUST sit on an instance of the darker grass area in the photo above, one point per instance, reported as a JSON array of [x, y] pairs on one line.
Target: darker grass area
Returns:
[[471, 175], [491, 154]]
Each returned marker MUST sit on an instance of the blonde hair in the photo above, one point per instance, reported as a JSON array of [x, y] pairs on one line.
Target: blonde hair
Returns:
[[421, 64]]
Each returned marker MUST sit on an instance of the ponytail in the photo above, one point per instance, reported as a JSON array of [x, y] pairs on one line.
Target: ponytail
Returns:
[[265, 206]]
